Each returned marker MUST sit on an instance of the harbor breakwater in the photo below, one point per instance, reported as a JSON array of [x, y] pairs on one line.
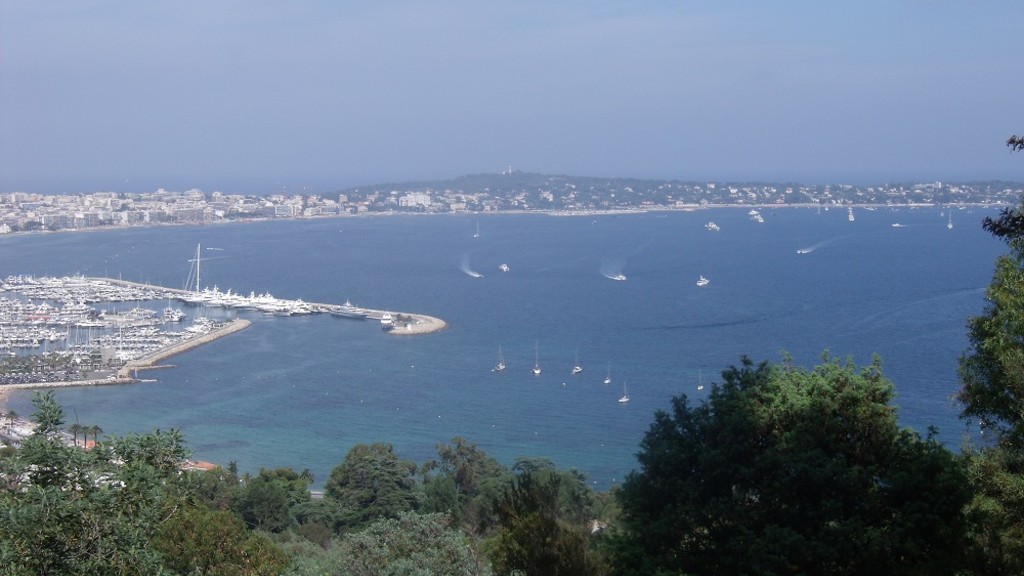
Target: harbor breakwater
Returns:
[[411, 324]]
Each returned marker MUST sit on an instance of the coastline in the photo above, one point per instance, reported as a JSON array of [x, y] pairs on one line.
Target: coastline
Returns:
[[529, 212]]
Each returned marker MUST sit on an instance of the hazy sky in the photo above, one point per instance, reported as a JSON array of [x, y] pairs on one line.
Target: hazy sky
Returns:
[[257, 97]]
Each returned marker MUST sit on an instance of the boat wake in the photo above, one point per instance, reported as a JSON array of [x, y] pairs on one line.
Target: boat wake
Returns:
[[612, 269], [467, 270], [810, 249]]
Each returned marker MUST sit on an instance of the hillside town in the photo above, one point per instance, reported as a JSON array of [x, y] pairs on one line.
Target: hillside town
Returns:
[[509, 191]]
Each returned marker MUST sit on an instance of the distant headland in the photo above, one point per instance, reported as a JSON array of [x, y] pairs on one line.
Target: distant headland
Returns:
[[507, 192]]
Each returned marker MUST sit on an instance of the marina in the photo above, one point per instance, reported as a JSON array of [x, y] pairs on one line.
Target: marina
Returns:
[[75, 322]]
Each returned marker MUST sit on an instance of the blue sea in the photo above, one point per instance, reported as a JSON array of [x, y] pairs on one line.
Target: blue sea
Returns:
[[301, 391]]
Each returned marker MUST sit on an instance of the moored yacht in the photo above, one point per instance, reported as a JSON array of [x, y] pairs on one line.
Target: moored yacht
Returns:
[[702, 281], [501, 362]]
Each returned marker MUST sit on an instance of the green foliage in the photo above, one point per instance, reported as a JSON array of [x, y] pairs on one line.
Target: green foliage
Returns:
[[266, 501], [121, 508], [997, 473], [263, 503], [197, 540], [66, 511], [372, 483], [467, 484], [49, 416], [215, 488], [789, 471], [992, 373], [992, 392], [407, 545], [542, 533]]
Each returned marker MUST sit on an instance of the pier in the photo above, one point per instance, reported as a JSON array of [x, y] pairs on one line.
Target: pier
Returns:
[[139, 345]]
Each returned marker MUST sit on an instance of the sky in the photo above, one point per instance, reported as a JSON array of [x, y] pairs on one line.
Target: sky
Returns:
[[258, 97]]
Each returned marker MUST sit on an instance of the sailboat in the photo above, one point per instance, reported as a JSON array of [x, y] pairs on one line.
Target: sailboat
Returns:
[[700, 384], [501, 362], [949, 223], [608, 377], [625, 394], [576, 368], [536, 360], [477, 235]]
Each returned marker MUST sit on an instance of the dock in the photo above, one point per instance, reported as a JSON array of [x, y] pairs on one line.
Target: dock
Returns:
[[83, 289]]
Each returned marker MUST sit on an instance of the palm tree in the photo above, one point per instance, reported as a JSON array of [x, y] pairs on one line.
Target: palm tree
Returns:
[[306, 476], [11, 417], [96, 431], [75, 429]]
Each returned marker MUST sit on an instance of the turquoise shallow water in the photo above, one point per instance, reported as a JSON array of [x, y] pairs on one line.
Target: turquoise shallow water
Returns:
[[300, 391]]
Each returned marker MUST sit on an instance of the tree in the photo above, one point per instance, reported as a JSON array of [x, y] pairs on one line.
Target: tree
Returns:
[[784, 470], [11, 416], [371, 483], [409, 544], [49, 415], [75, 429], [95, 430], [992, 393], [201, 541], [467, 485], [538, 535], [266, 501]]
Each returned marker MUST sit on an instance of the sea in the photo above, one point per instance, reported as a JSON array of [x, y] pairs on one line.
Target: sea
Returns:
[[301, 391]]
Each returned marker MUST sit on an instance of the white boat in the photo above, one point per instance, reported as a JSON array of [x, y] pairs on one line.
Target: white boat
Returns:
[[619, 277], [898, 225], [173, 315], [849, 214], [501, 362], [608, 376], [536, 361], [805, 250], [477, 235], [700, 383], [503, 267], [702, 281], [576, 368], [712, 227], [949, 223], [386, 321], [625, 394]]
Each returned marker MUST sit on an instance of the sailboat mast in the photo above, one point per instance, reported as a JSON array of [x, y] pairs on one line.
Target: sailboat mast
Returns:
[[198, 258]]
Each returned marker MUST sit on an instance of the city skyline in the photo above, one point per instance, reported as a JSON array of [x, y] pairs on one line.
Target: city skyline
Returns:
[[316, 96]]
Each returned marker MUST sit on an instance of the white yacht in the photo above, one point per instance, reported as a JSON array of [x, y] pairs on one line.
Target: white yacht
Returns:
[[702, 281], [619, 277], [625, 394], [576, 368], [712, 227], [501, 362], [503, 267]]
